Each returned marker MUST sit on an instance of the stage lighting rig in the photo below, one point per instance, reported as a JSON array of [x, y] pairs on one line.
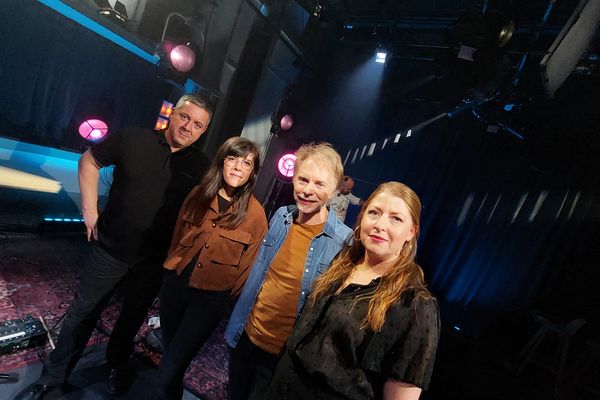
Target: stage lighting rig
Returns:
[[179, 56], [117, 14], [317, 10], [380, 55]]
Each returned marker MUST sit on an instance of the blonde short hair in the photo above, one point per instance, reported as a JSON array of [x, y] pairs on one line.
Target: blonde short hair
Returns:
[[324, 154]]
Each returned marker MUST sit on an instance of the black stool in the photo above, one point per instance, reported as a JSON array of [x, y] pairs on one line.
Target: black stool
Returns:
[[587, 367], [561, 332]]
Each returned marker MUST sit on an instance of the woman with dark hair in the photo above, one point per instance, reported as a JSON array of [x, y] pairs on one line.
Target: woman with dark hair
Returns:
[[215, 241], [370, 328]]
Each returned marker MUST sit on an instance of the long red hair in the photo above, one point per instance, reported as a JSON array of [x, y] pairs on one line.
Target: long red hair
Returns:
[[405, 275]]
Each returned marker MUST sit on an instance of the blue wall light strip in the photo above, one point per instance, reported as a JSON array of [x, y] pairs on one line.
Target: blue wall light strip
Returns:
[[92, 25], [50, 219]]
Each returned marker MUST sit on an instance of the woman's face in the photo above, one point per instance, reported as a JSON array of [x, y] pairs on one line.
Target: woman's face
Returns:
[[385, 226], [237, 170]]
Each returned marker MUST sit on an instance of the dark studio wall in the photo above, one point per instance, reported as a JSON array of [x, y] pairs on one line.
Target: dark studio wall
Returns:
[[507, 224], [55, 73]]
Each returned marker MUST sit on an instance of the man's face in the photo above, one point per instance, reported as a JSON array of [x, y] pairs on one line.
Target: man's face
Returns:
[[187, 124], [346, 186], [313, 186]]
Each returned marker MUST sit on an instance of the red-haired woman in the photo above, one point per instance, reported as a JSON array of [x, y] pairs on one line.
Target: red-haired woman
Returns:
[[371, 328]]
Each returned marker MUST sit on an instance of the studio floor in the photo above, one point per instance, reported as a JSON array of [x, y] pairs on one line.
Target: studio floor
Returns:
[[38, 273]]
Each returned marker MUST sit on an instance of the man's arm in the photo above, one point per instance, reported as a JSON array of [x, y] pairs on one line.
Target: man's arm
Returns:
[[88, 186], [357, 201]]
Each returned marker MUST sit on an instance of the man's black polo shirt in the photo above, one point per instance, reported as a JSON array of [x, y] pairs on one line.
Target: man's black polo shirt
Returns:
[[149, 186]]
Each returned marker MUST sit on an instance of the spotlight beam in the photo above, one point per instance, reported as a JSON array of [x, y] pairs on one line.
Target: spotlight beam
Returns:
[[428, 122]]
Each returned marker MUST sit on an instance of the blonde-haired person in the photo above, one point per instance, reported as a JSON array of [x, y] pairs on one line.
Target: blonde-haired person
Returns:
[[370, 328], [300, 244]]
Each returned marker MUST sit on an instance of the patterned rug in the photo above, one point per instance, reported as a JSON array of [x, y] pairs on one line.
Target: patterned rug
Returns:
[[38, 275]]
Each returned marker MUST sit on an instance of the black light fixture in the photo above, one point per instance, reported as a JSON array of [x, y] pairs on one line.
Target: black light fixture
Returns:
[[505, 32], [317, 10], [120, 9], [477, 55], [178, 56], [117, 14], [483, 32]]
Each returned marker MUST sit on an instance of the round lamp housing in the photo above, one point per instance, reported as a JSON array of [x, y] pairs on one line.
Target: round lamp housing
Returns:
[[93, 129], [286, 165]]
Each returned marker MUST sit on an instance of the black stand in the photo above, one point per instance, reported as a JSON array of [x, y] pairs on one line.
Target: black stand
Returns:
[[272, 203]]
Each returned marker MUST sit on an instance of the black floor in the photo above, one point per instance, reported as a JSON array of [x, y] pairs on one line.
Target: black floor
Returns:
[[87, 382], [486, 368]]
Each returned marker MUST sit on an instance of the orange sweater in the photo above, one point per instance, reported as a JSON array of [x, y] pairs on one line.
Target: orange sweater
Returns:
[[274, 312]]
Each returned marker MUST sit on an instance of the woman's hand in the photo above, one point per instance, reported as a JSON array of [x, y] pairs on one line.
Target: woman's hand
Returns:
[[398, 390]]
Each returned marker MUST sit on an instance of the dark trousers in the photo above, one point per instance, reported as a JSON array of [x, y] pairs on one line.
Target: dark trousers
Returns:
[[188, 317], [100, 276], [250, 370]]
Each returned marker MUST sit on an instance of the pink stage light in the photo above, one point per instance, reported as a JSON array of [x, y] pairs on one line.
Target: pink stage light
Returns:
[[286, 165], [286, 122], [93, 129], [182, 57]]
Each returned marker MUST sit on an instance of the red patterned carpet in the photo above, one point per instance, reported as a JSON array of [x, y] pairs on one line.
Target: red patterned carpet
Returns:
[[38, 275]]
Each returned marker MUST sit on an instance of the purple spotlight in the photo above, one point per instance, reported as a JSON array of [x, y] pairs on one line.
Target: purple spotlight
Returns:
[[93, 129], [286, 122], [286, 165], [182, 57]]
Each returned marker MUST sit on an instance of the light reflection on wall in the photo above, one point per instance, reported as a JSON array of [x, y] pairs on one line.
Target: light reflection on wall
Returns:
[[546, 203], [38, 168], [22, 180], [352, 155]]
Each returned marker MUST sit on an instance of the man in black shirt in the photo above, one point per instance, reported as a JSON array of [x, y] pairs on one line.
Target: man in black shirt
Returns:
[[154, 172]]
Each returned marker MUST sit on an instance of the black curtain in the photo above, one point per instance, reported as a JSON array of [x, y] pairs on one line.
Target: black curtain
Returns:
[[56, 73], [507, 224]]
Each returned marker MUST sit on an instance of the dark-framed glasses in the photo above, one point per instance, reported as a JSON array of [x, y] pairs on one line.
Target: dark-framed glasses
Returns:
[[233, 161]]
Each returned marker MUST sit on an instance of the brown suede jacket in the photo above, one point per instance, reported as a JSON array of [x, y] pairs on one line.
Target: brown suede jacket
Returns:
[[226, 256]]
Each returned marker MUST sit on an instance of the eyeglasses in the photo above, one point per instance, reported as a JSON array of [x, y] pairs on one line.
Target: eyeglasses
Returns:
[[232, 161]]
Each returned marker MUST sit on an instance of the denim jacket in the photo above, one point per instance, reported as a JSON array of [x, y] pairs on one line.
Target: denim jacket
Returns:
[[323, 248]]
